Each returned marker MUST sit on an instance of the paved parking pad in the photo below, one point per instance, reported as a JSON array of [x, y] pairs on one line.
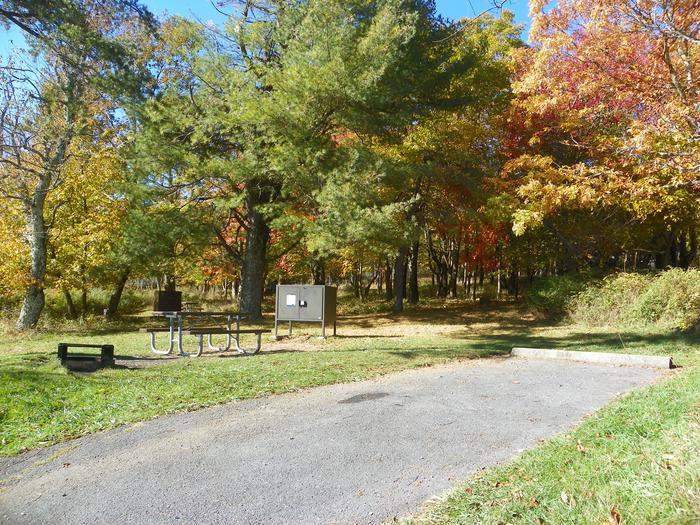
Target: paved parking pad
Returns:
[[352, 453]]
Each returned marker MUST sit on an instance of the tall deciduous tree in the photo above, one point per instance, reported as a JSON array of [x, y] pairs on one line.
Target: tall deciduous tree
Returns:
[[610, 105], [43, 109], [89, 214]]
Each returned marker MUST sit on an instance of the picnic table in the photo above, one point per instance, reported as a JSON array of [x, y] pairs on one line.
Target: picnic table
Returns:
[[191, 306], [176, 329]]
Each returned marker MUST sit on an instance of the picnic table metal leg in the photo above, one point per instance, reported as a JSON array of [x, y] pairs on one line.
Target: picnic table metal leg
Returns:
[[200, 348], [242, 350], [180, 322], [210, 344], [171, 340], [237, 336]]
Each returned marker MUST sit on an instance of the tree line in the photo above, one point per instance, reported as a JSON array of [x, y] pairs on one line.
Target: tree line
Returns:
[[362, 141]]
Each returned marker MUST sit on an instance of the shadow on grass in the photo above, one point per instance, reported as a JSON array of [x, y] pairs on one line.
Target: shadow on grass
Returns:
[[143, 358], [41, 380], [506, 315], [367, 336], [262, 353], [474, 352], [628, 341]]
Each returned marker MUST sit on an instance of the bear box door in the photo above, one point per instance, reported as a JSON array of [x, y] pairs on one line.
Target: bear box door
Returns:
[[311, 303], [288, 303]]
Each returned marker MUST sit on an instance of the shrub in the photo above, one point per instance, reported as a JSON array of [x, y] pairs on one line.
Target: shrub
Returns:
[[669, 299], [551, 296], [672, 300], [607, 301]]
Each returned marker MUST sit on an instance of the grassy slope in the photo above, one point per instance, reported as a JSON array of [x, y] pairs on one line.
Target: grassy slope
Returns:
[[635, 462]]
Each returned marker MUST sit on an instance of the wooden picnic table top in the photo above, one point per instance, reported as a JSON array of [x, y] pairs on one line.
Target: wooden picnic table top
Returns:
[[216, 331], [195, 314]]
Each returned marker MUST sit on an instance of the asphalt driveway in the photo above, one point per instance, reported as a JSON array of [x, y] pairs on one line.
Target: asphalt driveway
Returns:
[[353, 453]]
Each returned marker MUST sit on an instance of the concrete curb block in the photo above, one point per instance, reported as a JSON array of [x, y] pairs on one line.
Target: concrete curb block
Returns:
[[595, 357]]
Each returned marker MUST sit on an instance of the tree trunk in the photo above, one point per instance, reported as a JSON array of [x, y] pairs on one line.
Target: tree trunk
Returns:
[[673, 250], [170, 283], [72, 311], [355, 278], [388, 279], [83, 301], [514, 285], [400, 279], [413, 294], [318, 272], [254, 260], [116, 297], [454, 268], [405, 274], [693, 245], [683, 255], [34, 299], [368, 286]]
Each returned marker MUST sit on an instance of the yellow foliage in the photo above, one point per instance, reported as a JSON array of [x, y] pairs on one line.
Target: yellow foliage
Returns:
[[13, 250], [89, 212]]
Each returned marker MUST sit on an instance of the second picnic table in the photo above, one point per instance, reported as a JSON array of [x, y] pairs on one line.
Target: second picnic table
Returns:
[[176, 329]]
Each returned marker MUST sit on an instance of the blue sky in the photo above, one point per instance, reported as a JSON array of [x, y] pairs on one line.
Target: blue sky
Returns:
[[453, 9], [204, 11]]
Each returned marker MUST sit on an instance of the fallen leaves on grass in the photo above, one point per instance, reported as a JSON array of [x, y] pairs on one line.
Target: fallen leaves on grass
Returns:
[[668, 459], [614, 518], [568, 500]]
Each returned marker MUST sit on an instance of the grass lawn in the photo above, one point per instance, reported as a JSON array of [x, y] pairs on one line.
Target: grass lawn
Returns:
[[634, 462]]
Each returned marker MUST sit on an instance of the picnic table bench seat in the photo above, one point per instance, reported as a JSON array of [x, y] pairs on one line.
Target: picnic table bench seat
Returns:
[[153, 329], [215, 330]]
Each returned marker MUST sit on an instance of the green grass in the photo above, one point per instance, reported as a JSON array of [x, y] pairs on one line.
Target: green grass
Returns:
[[635, 462]]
